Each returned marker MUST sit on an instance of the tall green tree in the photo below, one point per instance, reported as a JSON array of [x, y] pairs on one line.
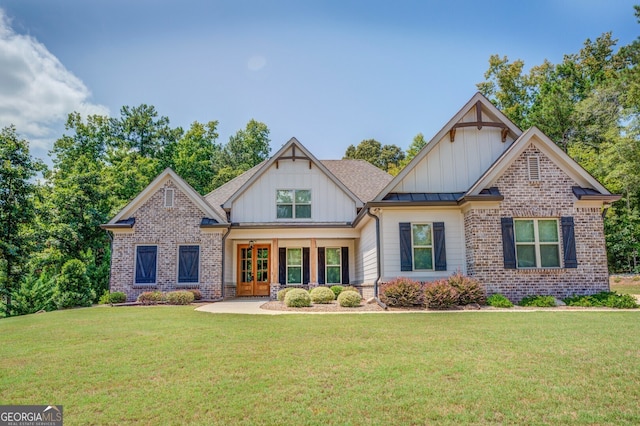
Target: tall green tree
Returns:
[[387, 157], [194, 154], [17, 189]]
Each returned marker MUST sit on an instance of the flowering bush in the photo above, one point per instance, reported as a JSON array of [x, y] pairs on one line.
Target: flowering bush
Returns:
[[440, 295], [402, 292], [469, 290]]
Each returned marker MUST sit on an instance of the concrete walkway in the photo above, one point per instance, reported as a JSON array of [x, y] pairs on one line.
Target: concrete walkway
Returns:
[[241, 306]]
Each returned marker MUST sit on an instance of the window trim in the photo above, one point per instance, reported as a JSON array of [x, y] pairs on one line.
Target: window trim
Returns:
[[327, 266], [537, 243], [169, 200], [135, 267], [413, 248], [187, 283], [293, 205], [287, 265]]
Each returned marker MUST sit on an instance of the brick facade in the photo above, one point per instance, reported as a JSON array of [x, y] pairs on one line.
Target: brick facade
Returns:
[[167, 228], [550, 197]]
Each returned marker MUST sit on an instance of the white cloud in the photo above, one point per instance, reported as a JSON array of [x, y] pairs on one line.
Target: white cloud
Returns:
[[37, 92]]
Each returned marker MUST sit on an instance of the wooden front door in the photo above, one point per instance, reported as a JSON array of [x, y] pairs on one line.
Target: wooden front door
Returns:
[[254, 270]]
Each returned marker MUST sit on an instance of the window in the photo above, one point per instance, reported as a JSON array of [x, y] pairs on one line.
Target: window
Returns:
[[146, 261], [422, 243], [333, 267], [537, 243], [294, 266], [168, 197], [188, 264], [293, 203]]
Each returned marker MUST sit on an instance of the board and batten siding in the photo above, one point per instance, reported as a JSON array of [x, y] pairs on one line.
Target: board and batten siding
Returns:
[[456, 166], [454, 239], [329, 203], [366, 260]]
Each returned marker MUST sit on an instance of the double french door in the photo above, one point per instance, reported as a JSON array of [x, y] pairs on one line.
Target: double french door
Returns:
[[254, 270]]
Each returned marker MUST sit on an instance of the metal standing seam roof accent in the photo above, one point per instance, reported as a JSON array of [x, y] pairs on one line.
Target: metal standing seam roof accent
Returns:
[[423, 196]]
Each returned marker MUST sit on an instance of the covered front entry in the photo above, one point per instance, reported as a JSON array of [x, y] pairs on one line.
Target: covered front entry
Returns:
[[254, 270]]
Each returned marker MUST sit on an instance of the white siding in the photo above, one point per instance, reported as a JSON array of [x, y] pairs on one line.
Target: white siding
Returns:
[[366, 254], [456, 166], [454, 241], [329, 203]]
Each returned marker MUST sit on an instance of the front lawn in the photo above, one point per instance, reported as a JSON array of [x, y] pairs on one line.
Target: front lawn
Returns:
[[625, 284], [172, 365]]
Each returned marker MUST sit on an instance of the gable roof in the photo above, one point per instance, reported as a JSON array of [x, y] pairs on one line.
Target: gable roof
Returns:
[[125, 214], [262, 168], [361, 177], [482, 104], [548, 148]]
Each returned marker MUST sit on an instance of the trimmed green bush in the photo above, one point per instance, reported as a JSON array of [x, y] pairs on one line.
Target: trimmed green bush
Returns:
[[402, 292], [105, 298], [337, 289], [322, 295], [297, 298], [197, 295], [282, 293], [179, 297], [349, 299], [150, 297], [440, 295], [499, 301], [607, 299], [117, 297], [538, 301], [350, 288], [469, 290]]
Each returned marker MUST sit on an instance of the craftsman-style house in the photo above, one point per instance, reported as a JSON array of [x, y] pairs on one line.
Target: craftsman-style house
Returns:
[[482, 197]]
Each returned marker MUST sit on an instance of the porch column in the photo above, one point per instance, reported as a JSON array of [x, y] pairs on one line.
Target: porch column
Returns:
[[275, 283], [313, 263]]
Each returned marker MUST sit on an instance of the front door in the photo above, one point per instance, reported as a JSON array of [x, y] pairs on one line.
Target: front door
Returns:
[[254, 270]]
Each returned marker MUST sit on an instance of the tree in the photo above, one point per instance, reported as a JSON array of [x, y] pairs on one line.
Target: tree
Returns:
[[17, 189], [385, 157], [73, 287], [194, 154]]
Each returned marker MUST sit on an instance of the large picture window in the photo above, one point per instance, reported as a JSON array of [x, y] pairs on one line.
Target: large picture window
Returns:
[[146, 262], [537, 243], [293, 203], [422, 243], [294, 266], [188, 264]]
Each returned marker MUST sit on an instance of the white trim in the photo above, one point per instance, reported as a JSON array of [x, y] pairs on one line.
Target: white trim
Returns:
[[537, 243], [286, 272], [533, 168], [294, 204], [326, 265], [413, 247]]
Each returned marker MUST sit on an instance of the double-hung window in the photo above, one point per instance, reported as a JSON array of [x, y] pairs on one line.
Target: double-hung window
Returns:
[[333, 265], [293, 203], [537, 243], [294, 266], [422, 245], [146, 263]]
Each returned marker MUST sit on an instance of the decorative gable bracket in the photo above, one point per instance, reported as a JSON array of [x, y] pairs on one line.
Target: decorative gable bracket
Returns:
[[293, 157], [479, 124]]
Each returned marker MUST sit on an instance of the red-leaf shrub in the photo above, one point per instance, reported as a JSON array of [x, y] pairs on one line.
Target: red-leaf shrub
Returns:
[[440, 295], [151, 297], [469, 289], [402, 292], [197, 295]]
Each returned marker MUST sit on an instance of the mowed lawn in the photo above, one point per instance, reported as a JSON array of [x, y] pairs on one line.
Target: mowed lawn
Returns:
[[173, 365]]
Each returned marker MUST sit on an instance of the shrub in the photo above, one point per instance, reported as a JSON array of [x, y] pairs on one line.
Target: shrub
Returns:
[[197, 295], [179, 297], [349, 299], [117, 297], [350, 288], [606, 298], [469, 290], [402, 292], [322, 295], [440, 295], [337, 289], [72, 286], [282, 293], [538, 301], [297, 298], [499, 301], [150, 297]]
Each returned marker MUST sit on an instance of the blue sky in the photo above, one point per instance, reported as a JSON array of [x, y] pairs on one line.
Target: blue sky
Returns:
[[330, 73]]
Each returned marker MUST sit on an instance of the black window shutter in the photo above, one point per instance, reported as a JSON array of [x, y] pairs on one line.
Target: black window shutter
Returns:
[[569, 242], [188, 262], [508, 243], [146, 264], [406, 257], [321, 265], [282, 265], [344, 251], [439, 247], [305, 265]]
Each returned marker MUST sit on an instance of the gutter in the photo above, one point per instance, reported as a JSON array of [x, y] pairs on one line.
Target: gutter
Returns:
[[378, 264], [224, 240]]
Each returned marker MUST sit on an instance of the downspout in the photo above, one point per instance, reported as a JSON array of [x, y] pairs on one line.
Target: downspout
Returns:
[[224, 240], [110, 235], [378, 262]]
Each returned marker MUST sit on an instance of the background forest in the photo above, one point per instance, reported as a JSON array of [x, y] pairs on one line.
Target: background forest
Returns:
[[53, 254]]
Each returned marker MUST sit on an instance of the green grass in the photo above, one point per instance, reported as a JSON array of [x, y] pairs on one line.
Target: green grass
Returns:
[[172, 365]]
